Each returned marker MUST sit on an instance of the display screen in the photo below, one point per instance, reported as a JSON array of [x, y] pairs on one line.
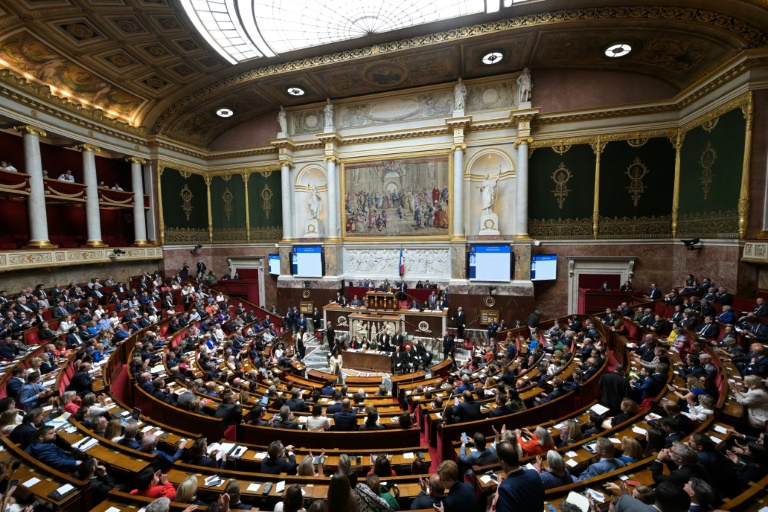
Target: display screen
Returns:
[[274, 264], [307, 261], [544, 267], [490, 262]]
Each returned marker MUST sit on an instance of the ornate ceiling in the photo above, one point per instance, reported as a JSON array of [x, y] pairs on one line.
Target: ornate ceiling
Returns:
[[141, 61]]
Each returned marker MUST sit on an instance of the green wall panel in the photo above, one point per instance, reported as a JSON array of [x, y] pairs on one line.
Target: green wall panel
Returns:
[[560, 192], [228, 209], [265, 205], [185, 207], [710, 177], [636, 189]]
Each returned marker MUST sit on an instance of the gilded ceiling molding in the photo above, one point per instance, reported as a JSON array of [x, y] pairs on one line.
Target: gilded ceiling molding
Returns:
[[749, 35], [742, 101]]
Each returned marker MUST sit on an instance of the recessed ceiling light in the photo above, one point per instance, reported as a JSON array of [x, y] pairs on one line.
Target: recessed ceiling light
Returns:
[[224, 112], [295, 91], [618, 50], [492, 58]]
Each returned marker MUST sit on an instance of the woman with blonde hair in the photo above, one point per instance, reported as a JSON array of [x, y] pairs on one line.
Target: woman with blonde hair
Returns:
[[570, 433], [186, 492], [114, 430], [307, 466], [9, 421], [755, 399], [540, 441], [631, 450]]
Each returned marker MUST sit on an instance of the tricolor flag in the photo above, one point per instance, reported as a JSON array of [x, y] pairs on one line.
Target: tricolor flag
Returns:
[[402, 263]]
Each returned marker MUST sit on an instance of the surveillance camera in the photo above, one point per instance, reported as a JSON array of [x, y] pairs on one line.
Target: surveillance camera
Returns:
[[537, 243]]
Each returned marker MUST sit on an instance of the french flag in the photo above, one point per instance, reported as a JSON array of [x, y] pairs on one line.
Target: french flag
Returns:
[[402, 263]]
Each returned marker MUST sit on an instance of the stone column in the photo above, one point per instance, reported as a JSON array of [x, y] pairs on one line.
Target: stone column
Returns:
[[33, 165], [92, 215], [458, 191], [521, 197], [333, 198], [139, 217], [522, 118], [150, 189], [287, 202]]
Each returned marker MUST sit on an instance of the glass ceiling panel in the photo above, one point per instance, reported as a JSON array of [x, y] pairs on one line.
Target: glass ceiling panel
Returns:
[[244, 29]]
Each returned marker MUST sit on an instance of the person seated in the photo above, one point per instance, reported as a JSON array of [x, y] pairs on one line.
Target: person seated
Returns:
[[539, 441], [129, 435], [286, 419], [372, 422], [44, 450], [468, 409], [276, 462], [682, 462], [607, 463], [345, 419], [165, 461], [153, 484], [481, 456]]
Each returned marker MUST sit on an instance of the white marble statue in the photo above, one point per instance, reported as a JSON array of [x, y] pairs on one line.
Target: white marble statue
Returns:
[[525, 85], [282, 118], [459, 95], [314, 203], [488, 192], [329, 115]]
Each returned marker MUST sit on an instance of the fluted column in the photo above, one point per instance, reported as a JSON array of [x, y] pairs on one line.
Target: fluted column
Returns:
[[333, 197], [287, 202], [33, 165], [139, 217], [521, 196], [92, 216], [458, 191]]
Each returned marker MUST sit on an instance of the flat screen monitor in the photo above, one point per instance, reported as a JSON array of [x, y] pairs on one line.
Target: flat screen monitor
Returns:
[[544, 267], [490, 262], [307, 261], [274, 264]]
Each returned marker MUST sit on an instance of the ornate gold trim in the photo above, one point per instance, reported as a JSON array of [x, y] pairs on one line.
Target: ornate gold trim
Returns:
[[740, 101], [208, 180], [707, 160], [88, 148], [743, 206], [246, 177], [597, 147], [266, 196], [561, 176], [677, 143], [32, 130], [95, 243], [136, 160], [186, 197], [636, 171], [227, 197]]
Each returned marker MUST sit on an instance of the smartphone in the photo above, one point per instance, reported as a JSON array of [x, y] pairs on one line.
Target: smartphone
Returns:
[[13, 484], [266, 489], [420, 455], [551, 507], [136, 414], [322, 460]]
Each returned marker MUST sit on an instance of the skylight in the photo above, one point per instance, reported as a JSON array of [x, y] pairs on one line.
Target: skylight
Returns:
[[245, 29]]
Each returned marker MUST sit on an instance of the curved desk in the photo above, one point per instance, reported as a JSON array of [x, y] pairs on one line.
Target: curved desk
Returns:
[[373, 361]]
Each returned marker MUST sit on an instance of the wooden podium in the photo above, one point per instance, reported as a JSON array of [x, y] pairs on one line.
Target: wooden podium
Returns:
[[381, 301]]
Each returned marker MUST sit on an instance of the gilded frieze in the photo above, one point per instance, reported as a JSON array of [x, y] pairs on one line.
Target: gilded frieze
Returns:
[[636, 227], [550, 229]]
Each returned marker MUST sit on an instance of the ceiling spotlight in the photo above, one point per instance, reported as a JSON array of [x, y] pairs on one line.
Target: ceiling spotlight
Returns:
[[618, 50], [295, 91], [224, 112], [492, 58]]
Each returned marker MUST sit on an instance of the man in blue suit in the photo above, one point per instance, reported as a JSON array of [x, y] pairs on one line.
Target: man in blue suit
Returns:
[[468, 410], [607, 462], [43, 449], [482, 455], [345, 419]]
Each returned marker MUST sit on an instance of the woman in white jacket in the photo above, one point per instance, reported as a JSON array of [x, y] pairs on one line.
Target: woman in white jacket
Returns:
[[756, 401]]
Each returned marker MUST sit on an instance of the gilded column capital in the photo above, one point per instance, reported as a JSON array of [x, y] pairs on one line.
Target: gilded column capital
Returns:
[[136, 160], [32, 130], [332, 158], [246, 176], [459, 147], [523, 140], [87, 147], [208, 180], [598, 146]]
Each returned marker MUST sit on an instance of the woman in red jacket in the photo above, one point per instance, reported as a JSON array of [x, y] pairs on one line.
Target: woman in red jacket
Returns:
[[154, 485], [540, 441]]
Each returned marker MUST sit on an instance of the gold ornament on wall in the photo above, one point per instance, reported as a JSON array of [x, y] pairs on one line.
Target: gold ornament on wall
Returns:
[[266, 195], [707, 160], [185, 174], [710, 124], [186, 197], [561, 177], [227, 198], [637, 142], [561, 150], [636, 172], [266, 174]]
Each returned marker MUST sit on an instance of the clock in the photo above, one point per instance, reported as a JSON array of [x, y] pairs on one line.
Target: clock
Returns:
[[489, 301]]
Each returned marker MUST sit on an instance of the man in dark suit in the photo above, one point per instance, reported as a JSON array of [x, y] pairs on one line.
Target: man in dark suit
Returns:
[[82, 381], [448, 345], [468, 410], [286, 419], [708, 329], [345, 419], [461, 322], [493, 329], [654, 293], [761, 309], [275, 463], [682, 462], [230, 412], [614, 387], [503, 407], [385, 342], [317, 318], [295, 403], [161, 392], [415, 304], [44, 450], [18, 378], [330, 335], [336, 407]]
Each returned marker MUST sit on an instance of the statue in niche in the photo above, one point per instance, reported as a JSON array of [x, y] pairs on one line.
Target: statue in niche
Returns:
[[282, 119], [488, 192], [314, 203], [459, 95], [329, 115], [525, 85]]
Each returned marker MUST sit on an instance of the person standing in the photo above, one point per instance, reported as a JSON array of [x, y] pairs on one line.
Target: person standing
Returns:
[[521, 490], [461, 322]]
